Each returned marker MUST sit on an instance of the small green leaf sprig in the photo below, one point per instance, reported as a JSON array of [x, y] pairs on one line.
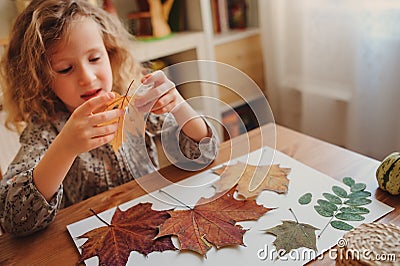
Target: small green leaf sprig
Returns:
[[342, 206]]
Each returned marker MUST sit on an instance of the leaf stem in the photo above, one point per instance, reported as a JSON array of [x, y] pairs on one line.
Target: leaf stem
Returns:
[[301, 226], [127, 91], [129, 87], [98, 217], [330, 220], [294, 215], [178, 200]]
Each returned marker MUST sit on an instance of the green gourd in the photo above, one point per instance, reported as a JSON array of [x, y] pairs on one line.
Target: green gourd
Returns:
[[388, 174]]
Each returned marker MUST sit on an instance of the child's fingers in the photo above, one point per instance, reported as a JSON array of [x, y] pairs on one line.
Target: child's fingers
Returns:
[[154, 94], [99, 119], [164, 109], [157, 77], [101, 140], [165, 100], [160, 85], [95, 103], [105, 130]]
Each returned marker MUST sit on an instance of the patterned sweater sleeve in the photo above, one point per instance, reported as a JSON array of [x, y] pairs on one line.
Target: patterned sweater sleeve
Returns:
[[180, 149], [23, 209]]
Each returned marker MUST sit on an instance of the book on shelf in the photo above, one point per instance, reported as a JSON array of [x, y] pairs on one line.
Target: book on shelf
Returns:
[[228, 14], [215, 16], [219, 11], [237, 13], [223, 15]]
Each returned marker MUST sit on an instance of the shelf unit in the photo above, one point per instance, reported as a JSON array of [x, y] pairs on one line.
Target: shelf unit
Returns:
[[200, 42], [178, 42]]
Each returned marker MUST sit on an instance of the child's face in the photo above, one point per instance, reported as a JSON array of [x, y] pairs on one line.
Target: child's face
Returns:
[[81, 64]]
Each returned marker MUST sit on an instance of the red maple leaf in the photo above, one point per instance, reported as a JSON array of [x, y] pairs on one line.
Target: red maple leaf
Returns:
[[130, 230], [212, 222]]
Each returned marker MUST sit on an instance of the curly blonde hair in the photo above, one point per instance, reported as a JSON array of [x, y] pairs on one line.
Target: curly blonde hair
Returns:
[[25, 68]]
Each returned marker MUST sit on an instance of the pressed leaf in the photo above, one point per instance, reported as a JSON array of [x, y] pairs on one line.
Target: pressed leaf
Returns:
[[327, 205], [323, 212], [358, 201], [130, 230], [352, 212], [358, 187], [275, 178], [212, 222], [349, 216], [332, 198], [339, 191], [341, 225], [305, 199], [354, 209], [359, 194], [349, 181], [292, 235]]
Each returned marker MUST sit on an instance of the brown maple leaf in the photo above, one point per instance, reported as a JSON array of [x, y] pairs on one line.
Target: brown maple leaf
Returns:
[[130, 230], [212, 222], [241, 174]]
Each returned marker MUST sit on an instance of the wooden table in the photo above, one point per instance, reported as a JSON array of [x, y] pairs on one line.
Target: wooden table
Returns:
[[54, 246]]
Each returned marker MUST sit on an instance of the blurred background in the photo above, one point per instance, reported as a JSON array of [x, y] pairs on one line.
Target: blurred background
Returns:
[[328, 68], [333, 70]]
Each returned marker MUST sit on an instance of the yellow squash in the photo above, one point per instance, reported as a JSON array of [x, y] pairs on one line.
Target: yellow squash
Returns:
[[388, 174]]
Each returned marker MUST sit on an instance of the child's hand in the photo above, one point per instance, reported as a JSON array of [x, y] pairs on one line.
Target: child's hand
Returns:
[[162, 98], [83, 131]]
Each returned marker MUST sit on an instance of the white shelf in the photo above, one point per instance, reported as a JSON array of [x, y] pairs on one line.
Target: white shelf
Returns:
[[178, 42], [234, 35]]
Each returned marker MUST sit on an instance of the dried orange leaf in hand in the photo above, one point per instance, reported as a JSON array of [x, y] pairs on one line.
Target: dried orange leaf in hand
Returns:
[[241, 174], [133, 118], [212, 222], [130, 230]]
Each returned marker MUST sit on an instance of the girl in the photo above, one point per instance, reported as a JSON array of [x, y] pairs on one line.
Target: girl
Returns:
[[64, 58]]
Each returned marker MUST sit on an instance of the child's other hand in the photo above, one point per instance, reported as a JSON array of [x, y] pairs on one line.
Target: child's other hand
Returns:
[[162, 98], [83, 131]]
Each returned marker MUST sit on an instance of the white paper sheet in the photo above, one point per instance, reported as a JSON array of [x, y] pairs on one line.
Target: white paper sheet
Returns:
[[259, 249]]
